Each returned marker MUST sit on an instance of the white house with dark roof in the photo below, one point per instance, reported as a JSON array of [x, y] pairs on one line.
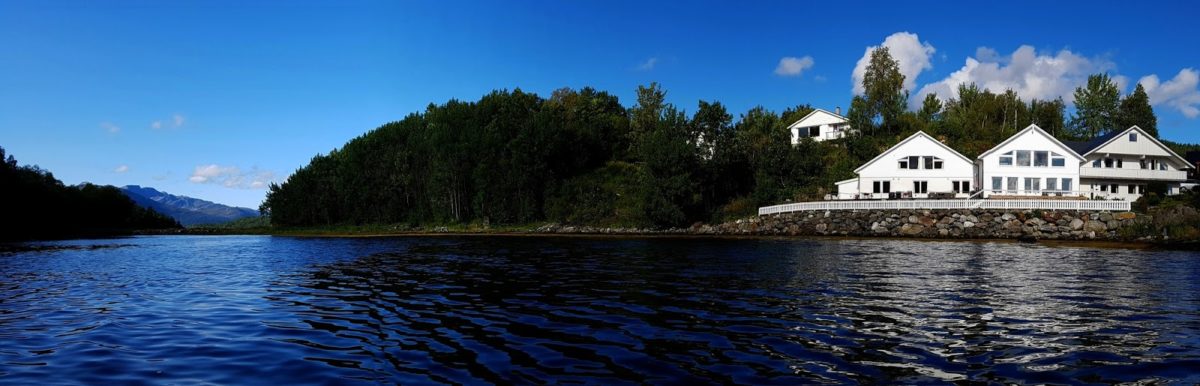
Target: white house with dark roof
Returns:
[[915, 167], [1120, 164], [1029, 163], [820, 125]]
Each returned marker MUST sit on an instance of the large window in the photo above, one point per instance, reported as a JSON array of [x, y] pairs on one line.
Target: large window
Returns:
[[1006, 159], [1033, 184], [1041, 158], [1066, 184], [882, 186], [1023, 158], [965, 186], [920, 186], [920, 162], [1012, 184], [814, 131], [1051, 184], [997, 184]]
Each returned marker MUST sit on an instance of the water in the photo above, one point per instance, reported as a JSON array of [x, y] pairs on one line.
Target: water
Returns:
[[276, 310]]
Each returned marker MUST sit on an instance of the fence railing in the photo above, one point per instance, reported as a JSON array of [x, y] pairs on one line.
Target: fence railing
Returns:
[[948, 204]]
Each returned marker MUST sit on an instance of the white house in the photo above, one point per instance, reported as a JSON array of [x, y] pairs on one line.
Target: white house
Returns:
[[820, 125], [1120, 164], [1030, 163], [918, 165]]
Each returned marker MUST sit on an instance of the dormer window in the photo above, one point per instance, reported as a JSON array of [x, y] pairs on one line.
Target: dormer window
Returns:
[[1132, 137]]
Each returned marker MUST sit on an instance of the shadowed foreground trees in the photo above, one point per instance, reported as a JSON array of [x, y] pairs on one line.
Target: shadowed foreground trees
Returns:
[[38, 206]]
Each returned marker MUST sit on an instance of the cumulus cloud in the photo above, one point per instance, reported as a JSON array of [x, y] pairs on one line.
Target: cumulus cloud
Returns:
[[110, 128], [121, 169], [793, 66], [1180, 92], [910, 53], [648, 64], [1030, 73], [231, 177]]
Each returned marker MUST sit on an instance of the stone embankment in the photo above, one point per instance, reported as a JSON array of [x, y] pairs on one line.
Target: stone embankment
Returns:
[[948, 224], [943, 224]]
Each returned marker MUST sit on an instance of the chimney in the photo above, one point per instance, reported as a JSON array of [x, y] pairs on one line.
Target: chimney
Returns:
[[838, 110]]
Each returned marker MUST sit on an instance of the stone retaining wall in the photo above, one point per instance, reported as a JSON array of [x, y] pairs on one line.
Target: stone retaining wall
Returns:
[[959, 223]]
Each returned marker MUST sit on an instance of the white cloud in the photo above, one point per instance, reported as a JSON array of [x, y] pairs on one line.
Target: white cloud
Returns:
[[121, 169], [1180, 92], [1027, 72], [793, 66], [648, 64], [156, 125], [231, 177], [110, 128], [908, 51], [177, 120]]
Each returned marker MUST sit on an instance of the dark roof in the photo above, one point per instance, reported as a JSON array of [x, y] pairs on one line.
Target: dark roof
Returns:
[[1083, 147], [1193, 156]]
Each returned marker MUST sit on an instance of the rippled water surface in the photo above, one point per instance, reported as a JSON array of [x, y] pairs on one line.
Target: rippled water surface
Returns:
[[276, 310]]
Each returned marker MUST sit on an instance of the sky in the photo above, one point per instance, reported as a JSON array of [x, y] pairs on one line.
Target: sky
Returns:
[[216, 99]]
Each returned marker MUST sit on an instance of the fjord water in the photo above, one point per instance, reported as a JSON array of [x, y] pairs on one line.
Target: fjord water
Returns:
[[534, 310]]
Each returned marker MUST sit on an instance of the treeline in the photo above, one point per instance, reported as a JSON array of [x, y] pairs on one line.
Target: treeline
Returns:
[[581, 157], [38, 206]]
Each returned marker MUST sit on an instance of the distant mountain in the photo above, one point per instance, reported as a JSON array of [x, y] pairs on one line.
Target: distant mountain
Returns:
[[188, 211]]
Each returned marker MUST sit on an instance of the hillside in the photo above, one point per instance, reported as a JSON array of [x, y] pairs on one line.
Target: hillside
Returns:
[[187, 210]]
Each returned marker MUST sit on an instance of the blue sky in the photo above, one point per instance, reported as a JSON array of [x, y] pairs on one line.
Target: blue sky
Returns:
[[214, 99]]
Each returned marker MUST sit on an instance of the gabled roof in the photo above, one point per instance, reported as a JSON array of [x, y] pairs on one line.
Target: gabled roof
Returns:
[[1104, 140], [846, 180], [1084, 147], [906, 140], [1038, 130], [811, 113]]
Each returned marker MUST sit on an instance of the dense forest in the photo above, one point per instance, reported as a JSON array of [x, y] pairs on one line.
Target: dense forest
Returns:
[[581, 157], [38, 206]]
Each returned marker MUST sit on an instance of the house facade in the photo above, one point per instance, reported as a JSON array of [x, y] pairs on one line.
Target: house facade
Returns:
[[915, 167], [1030, 163], [1120, 165], [820, 125]]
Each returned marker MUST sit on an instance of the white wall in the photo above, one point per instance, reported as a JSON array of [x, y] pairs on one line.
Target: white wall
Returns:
[[1033, 140], [886, 168], [831, 126]]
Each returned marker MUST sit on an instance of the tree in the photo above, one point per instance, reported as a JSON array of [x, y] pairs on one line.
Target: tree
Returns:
[[1135, 110], [931, 108], [1049, 115], [883, 88], [1096, 107]]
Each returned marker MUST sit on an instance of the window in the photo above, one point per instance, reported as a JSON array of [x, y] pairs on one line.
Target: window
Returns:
[[1119, 163], [955, 183], [1041, 158], [814, 131], [1012, 184], [928, 162], [996, 184], [1142, 163], [1066, 184], [1103, 188], [1132, 138], [904, 163], [1051, 184], [920, 186], [882, 187], [1162, 166], [1096, 163], [1114, 188], [1022, 157], [966, 186], [914, 162], [1141, 189], [1132, 188], [1057, 160], [1033, 184], [1006, 159], [1108, 162], [937, 163], [875, 187]]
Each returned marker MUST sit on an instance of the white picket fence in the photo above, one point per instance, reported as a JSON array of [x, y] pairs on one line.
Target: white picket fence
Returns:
[[948, 204]]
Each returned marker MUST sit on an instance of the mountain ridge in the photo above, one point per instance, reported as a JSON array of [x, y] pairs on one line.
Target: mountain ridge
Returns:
[[188, 211]]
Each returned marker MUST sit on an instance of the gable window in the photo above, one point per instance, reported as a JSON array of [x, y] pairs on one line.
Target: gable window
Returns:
[[1057, 160], [937, 163], [1162, 166], [1006, 159], [1096, 163], [904, 163], [1041, 158], [1108, 162], [1132, 138], [1023, 158], [914, 162], [920, 186], [1119, 163], [1142, 163]]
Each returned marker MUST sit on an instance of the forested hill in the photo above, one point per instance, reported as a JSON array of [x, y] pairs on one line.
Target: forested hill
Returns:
[[38, 206], [580, 157]]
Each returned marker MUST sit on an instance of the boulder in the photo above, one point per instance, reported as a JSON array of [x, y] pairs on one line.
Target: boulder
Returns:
[[1094, 227], [1076, 224], [968, 224], [911, 229]]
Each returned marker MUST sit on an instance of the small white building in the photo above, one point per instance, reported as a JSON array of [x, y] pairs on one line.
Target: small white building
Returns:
[[820, 125], [915, 167], [1120, 164], [1030, 163]]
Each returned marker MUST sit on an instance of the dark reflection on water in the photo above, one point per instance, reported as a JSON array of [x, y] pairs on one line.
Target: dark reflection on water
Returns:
[[253, 310]]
